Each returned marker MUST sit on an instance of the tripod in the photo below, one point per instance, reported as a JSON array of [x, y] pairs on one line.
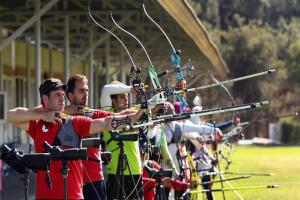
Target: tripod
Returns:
[[64, 172], [24, 163], [122, 164], [26, 182], [118, 190], [56, 153], [160, 189], [160, 193]]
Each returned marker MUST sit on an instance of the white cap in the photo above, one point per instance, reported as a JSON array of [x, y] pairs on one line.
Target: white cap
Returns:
[[197, 101]]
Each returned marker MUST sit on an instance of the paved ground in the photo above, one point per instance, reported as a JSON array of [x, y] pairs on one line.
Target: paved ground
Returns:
[[13, 186]]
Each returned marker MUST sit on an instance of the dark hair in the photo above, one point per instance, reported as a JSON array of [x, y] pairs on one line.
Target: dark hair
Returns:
[[72, 81], [191, 147], [50, 85], [114, 96]]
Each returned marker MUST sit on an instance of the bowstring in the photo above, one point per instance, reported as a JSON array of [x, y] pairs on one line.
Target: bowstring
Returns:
[[143, 164], [228, 152], [85, 22], [90, 181]]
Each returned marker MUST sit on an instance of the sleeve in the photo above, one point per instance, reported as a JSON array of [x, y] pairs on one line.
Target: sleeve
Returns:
[[179, 185], [101, 114], [156, 165], [202, 129], [110, 89], [149, 183], [32, 128], [193, 119], [191, 135], [224, 125], [82, 125]]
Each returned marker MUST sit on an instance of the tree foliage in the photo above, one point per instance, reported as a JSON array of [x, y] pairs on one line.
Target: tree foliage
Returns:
[[246, 53], [254, 36]]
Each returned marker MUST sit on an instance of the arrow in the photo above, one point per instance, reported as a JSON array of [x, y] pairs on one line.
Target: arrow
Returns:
[[175, 117]]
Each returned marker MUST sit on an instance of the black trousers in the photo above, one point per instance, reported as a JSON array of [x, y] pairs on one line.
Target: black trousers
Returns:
[[94, 191], [209, 195], [129, 187]]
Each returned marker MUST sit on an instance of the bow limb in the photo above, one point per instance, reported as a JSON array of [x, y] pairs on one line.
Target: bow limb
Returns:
[[175, 60], [134, 72], [224, 87], [154, 79]]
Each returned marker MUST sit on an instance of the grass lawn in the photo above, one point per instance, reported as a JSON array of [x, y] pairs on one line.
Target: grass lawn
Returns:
[[283, 162]]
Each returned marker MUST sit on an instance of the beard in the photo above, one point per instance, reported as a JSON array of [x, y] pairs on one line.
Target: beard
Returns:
[[58, 107], [123, 106], [81, 102]]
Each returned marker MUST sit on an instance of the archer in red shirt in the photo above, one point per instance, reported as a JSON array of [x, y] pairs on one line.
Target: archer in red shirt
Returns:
[[48, 125], [77, 94], [150, 184]]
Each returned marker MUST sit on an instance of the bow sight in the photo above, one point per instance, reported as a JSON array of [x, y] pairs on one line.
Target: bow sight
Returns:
[[22, 162], [56, 153]]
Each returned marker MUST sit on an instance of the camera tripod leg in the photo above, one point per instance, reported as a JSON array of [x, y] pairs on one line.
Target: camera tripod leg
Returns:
[[64, 172], [132, 179], [119, 192], [161, 192], [26, 183]]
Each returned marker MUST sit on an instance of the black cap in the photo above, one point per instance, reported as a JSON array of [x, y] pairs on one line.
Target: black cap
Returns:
[[51, 84]]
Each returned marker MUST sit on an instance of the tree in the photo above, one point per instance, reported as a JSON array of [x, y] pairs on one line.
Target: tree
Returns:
[[246, 50]]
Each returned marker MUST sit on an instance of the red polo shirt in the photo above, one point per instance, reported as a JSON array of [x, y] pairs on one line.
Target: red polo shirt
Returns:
[[93, 170], [40, 132], [149, 184]]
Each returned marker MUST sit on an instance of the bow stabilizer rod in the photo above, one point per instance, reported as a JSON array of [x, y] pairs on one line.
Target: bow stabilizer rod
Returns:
[[249, 173], [236, 188], [175, 90], [227, 179], [227, 81], [175, 117]]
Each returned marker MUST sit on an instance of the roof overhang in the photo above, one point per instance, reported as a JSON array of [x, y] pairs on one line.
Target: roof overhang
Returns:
[[176, 17], [185, 16]]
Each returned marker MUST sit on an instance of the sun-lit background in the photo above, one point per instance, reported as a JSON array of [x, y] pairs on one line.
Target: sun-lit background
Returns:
[[226, 38]]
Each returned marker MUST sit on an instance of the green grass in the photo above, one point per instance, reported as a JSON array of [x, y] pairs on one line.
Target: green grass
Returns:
[[283, 162]]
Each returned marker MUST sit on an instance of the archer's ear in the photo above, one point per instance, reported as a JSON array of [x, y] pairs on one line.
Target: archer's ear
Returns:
[[45, 99], [70, 96], [113, 101]]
